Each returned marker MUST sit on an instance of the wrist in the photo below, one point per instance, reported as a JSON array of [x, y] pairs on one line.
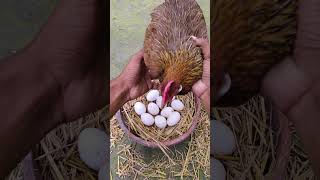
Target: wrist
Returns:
[[119, 94], [205, 99], [123, 87]]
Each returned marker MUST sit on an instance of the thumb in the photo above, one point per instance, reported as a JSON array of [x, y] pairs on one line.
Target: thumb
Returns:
[[199, 88], [204, 45]]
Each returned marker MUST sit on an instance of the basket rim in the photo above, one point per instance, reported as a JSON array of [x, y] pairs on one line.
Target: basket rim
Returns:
[[121, 118]]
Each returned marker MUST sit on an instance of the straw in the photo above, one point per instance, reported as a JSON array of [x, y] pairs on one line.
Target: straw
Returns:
[[187, 165], [255, 156]]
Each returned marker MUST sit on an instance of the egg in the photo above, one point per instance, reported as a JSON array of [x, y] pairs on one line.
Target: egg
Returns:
[[139, 108], [153, 109], [223, 140], [160, 122], [92, 147], [173, 119], [103, 173], [152, 95], [166, 112], [177, 105], [147, 119], [218, 170], [159, 101]]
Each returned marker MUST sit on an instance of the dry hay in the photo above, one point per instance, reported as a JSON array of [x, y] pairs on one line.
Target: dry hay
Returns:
[[255, 156], [57, 153], [154, 133], [16, 174], [299, 166], [193, 163]]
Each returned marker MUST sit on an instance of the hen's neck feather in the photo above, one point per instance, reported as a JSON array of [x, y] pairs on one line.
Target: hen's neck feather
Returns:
[[183, 67]]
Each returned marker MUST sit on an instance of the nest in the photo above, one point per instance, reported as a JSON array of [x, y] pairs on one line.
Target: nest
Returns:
[[256, 156], [193, 162], [57, 155], [153, 133]]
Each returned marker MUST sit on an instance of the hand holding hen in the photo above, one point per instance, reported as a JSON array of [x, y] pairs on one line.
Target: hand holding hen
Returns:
[[202, 87]]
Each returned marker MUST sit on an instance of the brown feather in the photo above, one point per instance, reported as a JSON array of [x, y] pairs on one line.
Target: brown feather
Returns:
[[170, 53], [249, 37]]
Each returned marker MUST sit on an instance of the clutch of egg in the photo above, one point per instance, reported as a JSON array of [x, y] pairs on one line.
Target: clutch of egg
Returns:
[[168, 116]]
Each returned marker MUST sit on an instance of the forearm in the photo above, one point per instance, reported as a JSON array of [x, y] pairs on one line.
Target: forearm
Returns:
[[118, 95], [27, 108], [205, 99]]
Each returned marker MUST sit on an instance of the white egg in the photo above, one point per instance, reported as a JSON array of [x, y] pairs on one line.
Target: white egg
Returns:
[[153, 109], [92, 147], [160, 122], [103, 173], [223, 140], [159, 101], [152, 95], [173, 119], [147, 119], [177, 105], [139, 108], [166, 112], [218, 170]]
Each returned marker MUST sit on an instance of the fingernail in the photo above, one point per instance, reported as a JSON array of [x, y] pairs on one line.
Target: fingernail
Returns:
[[194, 38]]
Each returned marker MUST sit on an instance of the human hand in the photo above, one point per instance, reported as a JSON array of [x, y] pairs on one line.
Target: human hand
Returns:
[[294, 86], [135, 77], [72, 49], [296, 77], [202, 87]]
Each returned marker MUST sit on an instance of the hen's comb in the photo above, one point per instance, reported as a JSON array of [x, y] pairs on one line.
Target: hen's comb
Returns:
[[165, 92]]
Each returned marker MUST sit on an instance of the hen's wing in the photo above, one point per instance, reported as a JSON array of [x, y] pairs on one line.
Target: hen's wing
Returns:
[[149, 54]]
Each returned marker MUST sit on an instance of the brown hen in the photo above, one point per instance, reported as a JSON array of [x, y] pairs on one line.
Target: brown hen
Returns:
[[249, 37], [170, 53]]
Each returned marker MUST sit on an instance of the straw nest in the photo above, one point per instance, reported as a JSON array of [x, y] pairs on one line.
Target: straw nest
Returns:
[[255, 157], [57, 154], [193, 162], [153, 133]]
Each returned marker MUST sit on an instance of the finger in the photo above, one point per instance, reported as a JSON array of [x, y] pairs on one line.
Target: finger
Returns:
[[148, 81], [204, 45], [199, 88], [138, 56]]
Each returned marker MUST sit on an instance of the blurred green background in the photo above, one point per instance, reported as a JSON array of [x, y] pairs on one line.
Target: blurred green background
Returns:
[[129, 20]]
